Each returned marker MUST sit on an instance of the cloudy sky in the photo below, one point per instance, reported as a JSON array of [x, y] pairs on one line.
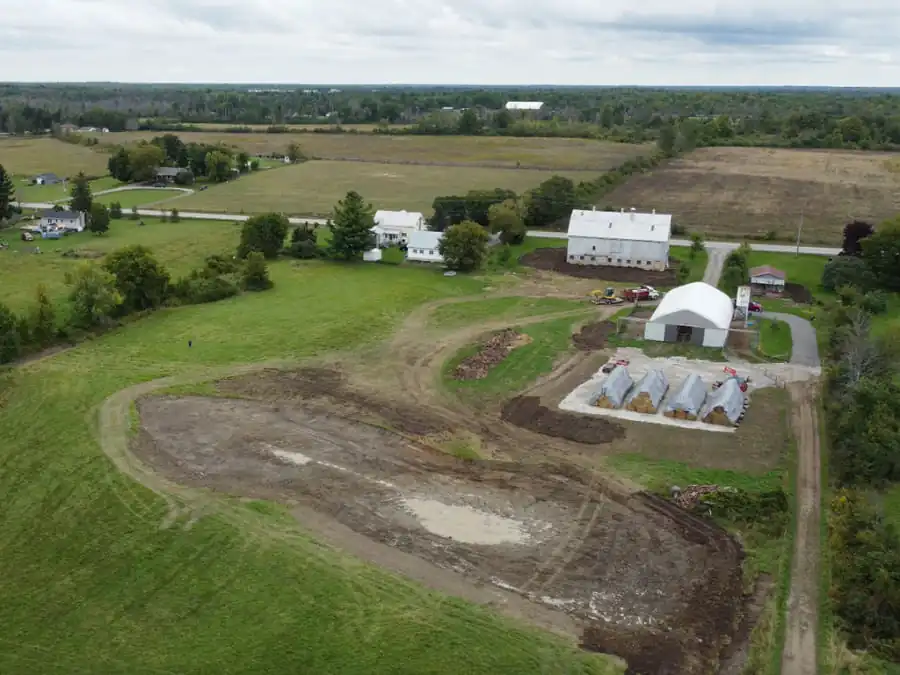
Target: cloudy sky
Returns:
[[691, 42]]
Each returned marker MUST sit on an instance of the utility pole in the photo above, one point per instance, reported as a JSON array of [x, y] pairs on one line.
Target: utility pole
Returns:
[[799, 230]]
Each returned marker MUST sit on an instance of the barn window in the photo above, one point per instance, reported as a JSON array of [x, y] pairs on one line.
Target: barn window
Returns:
[[627, 262], [593, 259], [593, 248], [571, 257], [581, 257], [619, 261]]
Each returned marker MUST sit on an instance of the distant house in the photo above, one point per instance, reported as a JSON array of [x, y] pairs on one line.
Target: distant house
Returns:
[[68, 128], [46, 179], [168, 174], [524, 105], [423, 247], [396, 227], [72, 221], [767, 279]]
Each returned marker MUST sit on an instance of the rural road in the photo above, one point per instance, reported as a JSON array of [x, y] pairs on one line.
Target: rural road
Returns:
[[538, 234], [714, 266], [805, 348]]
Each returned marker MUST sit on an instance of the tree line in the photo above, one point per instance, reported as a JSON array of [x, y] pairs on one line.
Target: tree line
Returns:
[[868, 119], [863, 432]]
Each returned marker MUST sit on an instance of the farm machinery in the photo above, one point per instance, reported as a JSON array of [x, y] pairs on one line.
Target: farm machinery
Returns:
[[610, 366], [642, 293], [605, 297]]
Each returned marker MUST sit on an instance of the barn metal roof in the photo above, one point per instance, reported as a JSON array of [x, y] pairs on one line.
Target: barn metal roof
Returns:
[[629, 225], [698, 305], [767, 270], [424, 239], [402, 219]]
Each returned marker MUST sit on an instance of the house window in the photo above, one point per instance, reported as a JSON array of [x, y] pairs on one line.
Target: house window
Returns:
[[581, 257], [619, 260], [571, 257], [592, 259], [627, 262]]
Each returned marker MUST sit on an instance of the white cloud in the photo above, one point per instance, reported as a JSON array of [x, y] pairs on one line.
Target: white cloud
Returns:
[[716, 42]]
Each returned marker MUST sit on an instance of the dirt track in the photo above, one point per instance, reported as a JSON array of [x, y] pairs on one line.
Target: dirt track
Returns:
[[578, 532]]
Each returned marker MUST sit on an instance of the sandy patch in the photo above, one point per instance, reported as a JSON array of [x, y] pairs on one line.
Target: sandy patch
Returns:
[[466, 524]]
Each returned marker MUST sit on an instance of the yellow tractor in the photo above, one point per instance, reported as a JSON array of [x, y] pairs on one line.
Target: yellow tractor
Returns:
[[607, 297]]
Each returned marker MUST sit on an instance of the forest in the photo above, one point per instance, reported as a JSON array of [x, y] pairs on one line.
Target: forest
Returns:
[[812, 118]]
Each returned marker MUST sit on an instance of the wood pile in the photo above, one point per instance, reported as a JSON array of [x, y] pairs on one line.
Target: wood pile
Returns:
[[493, 351], [688, 498]]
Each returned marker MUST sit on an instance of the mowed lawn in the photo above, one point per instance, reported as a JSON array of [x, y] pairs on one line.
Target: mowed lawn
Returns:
[[729, 193], [180, 246], [25, 192], [313, 188], [139, 197], [490, 151], [31, 156], [91, 581]]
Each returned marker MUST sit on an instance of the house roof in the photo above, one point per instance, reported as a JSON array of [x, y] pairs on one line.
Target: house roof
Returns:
[[170, 170], [48, 175], [698, 305], [62, 215], [524, 105], [767, 271], [403, 219], [629, 225], [424, 239]]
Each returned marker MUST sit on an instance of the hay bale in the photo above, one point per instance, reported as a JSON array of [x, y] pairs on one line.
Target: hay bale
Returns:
[[648, 393]]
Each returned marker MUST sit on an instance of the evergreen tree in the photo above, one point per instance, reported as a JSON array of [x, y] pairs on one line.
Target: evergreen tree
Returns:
[[42, 321], [10, 336], [82, 199], [351, 229], [7, 193]]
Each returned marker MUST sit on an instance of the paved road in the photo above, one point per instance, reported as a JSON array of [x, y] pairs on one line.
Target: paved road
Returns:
[[714, 266], [539, 234], [805, 351]]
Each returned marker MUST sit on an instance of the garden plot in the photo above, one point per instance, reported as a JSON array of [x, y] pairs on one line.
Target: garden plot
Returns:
[[677, 370]]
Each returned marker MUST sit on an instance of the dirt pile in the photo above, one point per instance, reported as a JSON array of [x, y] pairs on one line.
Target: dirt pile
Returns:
[[493, 351], [593, 336], [798, 293], [554, 259], [528, 413], [690, 496]]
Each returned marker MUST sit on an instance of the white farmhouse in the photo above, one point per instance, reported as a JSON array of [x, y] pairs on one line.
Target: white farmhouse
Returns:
[[697, 314], [73, 221], [423, 247], [620, 239], [524, 105], [395, 227]]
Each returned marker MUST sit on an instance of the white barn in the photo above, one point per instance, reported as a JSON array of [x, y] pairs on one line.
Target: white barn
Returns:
[[619, 239], [395, 227], [697, 313], [524, 105], [423, 247]]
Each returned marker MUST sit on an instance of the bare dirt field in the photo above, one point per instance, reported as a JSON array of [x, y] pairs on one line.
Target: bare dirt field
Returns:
[[549, 154], [547, 532], [751, 191], [554, 259]]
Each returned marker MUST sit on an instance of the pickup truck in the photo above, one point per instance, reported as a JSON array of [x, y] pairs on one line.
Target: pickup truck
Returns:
[[642, 293]]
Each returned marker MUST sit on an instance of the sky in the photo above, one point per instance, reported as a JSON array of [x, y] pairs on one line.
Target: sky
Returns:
[[490, 42]]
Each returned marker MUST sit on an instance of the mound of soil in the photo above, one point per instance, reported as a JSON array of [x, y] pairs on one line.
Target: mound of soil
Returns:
[[798, 293], [593, 336], [554, 259], [493, 351], [528, 413]]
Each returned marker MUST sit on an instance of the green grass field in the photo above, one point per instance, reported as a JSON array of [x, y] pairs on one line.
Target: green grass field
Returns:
[[499, 309], [92, 584], [775, 339], [31, 156], [180, 246], [53, 193], [129, 198], [313, 188], [549, 340], [697, 264]]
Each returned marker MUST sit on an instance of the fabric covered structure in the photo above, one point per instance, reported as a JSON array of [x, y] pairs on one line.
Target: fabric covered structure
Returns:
[[614, 388], [687, 401], [648, 393], [725, 405], [696, 313]]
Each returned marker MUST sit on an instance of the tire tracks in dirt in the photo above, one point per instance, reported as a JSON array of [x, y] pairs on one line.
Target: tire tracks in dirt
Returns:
[[799, 656]]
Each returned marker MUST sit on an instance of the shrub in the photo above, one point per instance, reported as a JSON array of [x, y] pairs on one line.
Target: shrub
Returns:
[[199, 288], [115, 210], [256, 274], [263, 234], [10, 336], [678, 230], [142, 282]]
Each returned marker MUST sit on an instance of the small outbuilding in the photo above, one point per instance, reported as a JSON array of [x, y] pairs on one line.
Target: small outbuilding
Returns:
[[687, 401], [725, 405], [372, 255], [423, 247], [767, 279], [619, 239], [648, 393], [696, 313], [172, 174], [46, 179], [614, 389], [396, 227]]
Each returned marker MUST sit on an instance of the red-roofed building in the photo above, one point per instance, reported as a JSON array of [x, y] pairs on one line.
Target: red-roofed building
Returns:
[[767, 279]]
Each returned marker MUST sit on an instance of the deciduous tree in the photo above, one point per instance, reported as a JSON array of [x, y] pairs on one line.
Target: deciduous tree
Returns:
[[142, 281], [854, 234], [506, 220], [10, 337], [218, 166], [42, 319], [119, 165], [294, 153], [351, 228], [264, 233], [144, 159], [98, 222], [881, 253], [550, 202], [464, 246], [93, 295], [256, 275]]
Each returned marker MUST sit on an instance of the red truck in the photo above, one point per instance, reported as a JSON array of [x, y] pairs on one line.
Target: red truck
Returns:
[[641, 293]]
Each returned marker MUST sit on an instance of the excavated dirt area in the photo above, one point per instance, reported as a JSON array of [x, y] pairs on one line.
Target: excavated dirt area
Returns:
[[492, 352], [638, 577], [593, 336], [798, 293], [528, 412], [554, 259]]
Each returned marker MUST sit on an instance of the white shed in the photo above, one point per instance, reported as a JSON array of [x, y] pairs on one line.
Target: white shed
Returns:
[[395, 227], [696, 313], [423, 247], [619, 238]]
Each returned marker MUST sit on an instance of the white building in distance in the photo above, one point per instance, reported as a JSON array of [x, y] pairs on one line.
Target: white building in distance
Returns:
[[396, 227], [524, 105], [619, 239], [696, 313], [423, 247]]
